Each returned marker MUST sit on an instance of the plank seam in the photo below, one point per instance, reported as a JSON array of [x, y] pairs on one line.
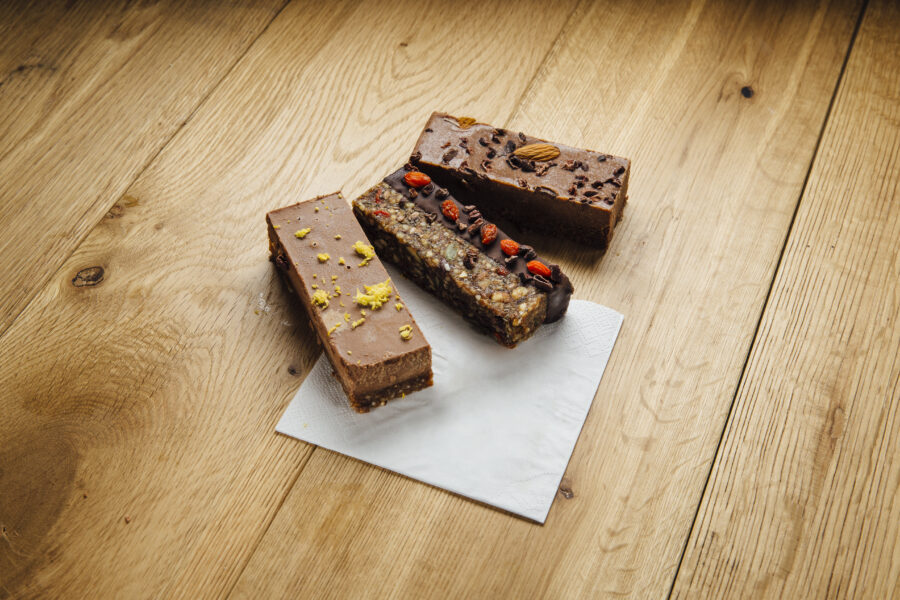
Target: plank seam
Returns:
[[765, 307], [38, 288]]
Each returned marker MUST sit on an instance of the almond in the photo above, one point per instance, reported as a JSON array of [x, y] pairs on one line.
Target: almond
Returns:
[[539, 152], [465, 122]]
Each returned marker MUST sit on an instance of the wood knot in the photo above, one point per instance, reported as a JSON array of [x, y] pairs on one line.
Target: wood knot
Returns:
[[292, 370], [565, 488], [747, 91], [88, 277]]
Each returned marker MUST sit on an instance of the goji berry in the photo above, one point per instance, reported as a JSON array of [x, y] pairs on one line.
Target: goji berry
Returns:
[[449, 208], [383, 213], [538, 268], [416, 179], [509, 247], [488, 234]]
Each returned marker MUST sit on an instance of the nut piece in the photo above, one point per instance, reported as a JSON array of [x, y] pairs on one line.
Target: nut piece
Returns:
[[539, 152], [465, 122]]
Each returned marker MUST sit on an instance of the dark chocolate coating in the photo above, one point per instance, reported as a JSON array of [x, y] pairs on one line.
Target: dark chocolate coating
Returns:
[[557, 298]]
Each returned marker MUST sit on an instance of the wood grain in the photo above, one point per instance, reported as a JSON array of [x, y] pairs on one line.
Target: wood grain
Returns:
[[717, 176], [152, 393], [804, 496], [89, 93]]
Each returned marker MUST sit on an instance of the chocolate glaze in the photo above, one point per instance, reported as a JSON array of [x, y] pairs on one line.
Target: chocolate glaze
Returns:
[[579, 194], [557, 297], [371, 361]]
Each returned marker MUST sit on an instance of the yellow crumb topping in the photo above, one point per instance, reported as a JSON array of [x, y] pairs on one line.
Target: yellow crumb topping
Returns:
[[315, 287], [337, 291], [398, 306], [334, 327], [406, 332], [323, 257], [337, 236], [303, 232], [376, 295], [347, 317], [276, 226], [364, 250], [333, 277], [357, 323], [317, 209], [320, 298], [341, 261]]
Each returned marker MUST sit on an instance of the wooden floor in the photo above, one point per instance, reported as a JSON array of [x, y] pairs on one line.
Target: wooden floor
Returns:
[[744, 442]]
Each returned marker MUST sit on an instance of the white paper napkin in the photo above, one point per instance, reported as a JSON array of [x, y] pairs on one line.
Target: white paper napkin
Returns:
[[498, 426]]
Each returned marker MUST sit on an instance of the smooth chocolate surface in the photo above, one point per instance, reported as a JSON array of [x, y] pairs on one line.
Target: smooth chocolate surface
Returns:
[[535, 184], [468, 227], [377, 353]]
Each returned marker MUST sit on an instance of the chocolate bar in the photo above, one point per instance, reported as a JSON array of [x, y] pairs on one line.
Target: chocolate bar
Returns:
[[448, 248], [375, 346], [534, 184]]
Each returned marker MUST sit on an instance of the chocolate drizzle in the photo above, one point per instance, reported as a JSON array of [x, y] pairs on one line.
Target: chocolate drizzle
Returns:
[[558, 291]]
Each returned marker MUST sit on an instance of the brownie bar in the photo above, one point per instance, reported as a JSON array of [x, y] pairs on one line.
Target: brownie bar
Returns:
[[449, 249], [535, 184], [375, 346]]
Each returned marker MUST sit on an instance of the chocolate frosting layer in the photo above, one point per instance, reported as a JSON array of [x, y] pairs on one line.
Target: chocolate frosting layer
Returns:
[[558, 287]]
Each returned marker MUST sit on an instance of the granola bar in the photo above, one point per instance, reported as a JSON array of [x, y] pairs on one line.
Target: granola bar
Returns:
[[451, 250]]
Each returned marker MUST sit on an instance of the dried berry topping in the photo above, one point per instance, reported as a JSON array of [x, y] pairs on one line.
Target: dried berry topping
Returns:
[[416, 179], [509, 247], [378, 196], [538, 268], [488, 234], [450, 210], [502, 271], [449, 154], [382, 213]]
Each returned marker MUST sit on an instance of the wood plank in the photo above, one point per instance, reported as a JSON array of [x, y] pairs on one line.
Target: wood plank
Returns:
[[716, 179], [156, 392], [89, 93], [804, 496]]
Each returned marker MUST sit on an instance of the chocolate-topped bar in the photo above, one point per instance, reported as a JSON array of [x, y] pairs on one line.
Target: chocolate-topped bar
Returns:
[[535, 184], [450, 249], [375, 346]]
